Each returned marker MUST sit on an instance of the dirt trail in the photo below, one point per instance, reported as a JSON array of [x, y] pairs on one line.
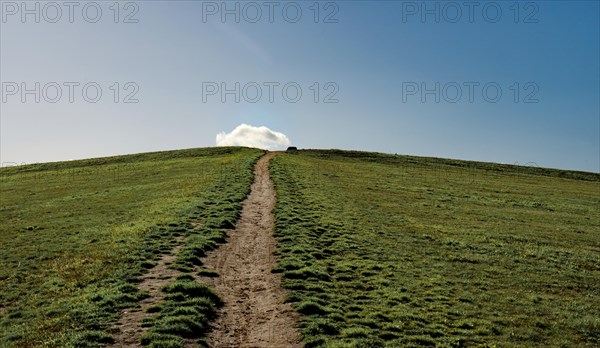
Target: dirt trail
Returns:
[[254, 314], [128, 328]]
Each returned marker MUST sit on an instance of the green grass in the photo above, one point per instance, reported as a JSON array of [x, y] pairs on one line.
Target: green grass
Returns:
[[76, 236], [376, 250], [184, 314], [396, 251]]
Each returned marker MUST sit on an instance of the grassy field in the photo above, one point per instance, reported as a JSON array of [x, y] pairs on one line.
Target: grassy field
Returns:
[[395, 251], [75, 236], [376, 250]]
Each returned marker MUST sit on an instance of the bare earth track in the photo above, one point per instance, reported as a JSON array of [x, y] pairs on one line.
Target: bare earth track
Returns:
[[254, 314], [129, 327]]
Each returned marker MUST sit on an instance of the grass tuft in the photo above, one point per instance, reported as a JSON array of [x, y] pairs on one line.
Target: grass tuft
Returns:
[[184, 315]]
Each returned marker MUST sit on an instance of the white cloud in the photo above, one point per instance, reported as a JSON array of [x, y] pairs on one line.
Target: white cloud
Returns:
[[259, 137]]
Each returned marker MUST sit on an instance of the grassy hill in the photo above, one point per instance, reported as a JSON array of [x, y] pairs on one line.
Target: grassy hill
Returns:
[[75, 236], [376, 250], [398, 251]]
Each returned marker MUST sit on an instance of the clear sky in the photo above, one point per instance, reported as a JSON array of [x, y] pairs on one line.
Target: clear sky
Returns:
[[378, 67]]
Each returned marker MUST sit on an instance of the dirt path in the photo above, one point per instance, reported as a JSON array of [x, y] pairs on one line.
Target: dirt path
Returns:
[[128, 328], [254, 314]]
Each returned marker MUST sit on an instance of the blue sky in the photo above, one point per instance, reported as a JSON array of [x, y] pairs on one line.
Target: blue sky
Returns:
[[542, 56]]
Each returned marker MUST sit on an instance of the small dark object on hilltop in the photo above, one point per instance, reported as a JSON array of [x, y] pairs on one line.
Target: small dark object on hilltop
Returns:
[[291, 149]]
